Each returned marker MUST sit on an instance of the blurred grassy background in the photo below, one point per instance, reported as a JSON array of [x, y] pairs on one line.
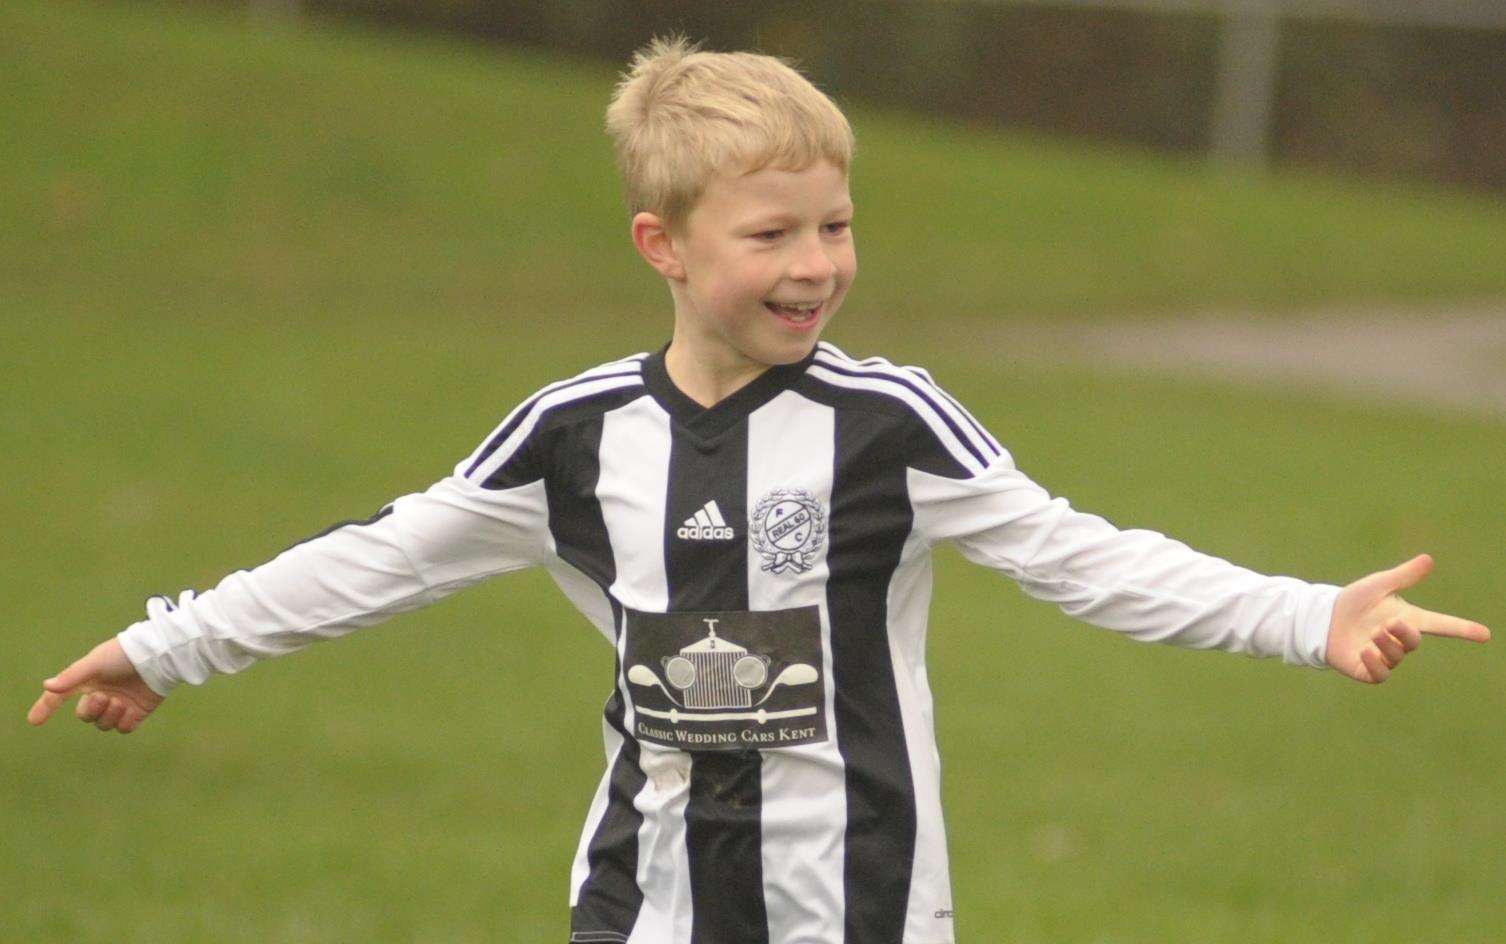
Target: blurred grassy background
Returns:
[[256, 281]]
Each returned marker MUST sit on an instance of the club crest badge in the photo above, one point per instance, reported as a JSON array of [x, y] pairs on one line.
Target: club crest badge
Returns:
[[787, 528]]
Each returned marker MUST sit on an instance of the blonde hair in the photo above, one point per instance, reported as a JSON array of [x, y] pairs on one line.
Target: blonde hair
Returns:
[[679, 116]]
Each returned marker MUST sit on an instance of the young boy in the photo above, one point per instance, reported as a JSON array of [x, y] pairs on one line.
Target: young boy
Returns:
[[747, 515]]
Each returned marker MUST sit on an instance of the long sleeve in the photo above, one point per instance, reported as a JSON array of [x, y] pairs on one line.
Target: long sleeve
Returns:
[[1138, 582], [420, 548]]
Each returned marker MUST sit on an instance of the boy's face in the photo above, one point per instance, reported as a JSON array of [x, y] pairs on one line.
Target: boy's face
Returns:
[[773, 236]]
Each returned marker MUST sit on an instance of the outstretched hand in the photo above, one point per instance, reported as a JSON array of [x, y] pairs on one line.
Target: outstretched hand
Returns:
[[1373, 629], [114, 697]]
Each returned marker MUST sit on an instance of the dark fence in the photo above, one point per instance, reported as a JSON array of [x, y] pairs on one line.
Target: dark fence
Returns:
[[1390, 99]]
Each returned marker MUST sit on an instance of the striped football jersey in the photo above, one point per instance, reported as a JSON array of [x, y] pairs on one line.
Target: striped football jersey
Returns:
[[762, 569]]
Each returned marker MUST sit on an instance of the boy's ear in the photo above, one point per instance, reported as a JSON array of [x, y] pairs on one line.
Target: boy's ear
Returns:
[[656, 246]]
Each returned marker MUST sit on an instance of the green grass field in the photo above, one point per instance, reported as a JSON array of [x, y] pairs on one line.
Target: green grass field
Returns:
[[256, 282]]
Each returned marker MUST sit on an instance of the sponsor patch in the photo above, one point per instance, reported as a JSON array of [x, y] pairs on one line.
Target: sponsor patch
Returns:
[[726, 681]]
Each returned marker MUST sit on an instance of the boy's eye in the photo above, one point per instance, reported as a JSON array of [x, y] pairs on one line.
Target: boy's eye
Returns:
[[775, 233]]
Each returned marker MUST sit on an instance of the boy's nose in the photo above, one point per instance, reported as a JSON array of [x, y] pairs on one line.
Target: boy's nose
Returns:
[[812, 263]]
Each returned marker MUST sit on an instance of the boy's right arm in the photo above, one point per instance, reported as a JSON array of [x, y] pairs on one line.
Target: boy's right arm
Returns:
[[420, 548]]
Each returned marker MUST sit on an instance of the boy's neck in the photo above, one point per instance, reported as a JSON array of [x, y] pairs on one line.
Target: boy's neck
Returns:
[[703, 379]]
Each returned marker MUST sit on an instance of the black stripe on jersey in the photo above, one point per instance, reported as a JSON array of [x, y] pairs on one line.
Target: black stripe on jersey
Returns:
[[609, 899], [386, 510], [723, 817], [923, 374], [870, 519], [724, 842], [987, 436], [521, 413], [850, 370], [712, 574], [553, 443], [167, 601]]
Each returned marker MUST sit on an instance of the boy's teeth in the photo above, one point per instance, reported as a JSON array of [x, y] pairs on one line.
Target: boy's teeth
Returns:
[[795, 309]]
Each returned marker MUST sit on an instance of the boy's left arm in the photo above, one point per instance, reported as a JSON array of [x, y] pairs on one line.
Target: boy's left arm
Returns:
[[1153, 588]]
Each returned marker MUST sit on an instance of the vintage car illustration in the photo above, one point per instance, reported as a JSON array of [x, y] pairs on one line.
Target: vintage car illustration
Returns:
[[714, 674]]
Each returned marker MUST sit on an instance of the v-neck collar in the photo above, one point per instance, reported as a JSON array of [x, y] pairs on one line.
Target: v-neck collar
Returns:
[[708, 422]]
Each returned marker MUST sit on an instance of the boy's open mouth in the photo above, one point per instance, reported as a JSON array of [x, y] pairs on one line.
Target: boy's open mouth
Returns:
[[797, 315]]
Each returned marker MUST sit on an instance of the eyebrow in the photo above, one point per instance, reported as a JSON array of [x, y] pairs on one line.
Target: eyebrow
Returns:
[[773, 218]]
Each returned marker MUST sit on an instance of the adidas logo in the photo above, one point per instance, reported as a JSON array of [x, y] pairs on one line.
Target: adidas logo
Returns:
[[706, 525]]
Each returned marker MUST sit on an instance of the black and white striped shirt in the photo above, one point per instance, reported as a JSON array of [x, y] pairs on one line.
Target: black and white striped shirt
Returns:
[[763, 569]]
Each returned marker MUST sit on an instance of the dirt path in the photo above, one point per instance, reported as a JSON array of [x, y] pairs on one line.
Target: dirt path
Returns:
[[1453, 359]]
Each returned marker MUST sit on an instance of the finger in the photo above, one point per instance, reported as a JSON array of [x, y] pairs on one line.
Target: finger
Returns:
[[112, 715], [90, 706], [128, 723], [1389, 646], [44, 707], [1377, 667], [72, 677], [1441, 624], [1408, 573], [1409, 636]]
